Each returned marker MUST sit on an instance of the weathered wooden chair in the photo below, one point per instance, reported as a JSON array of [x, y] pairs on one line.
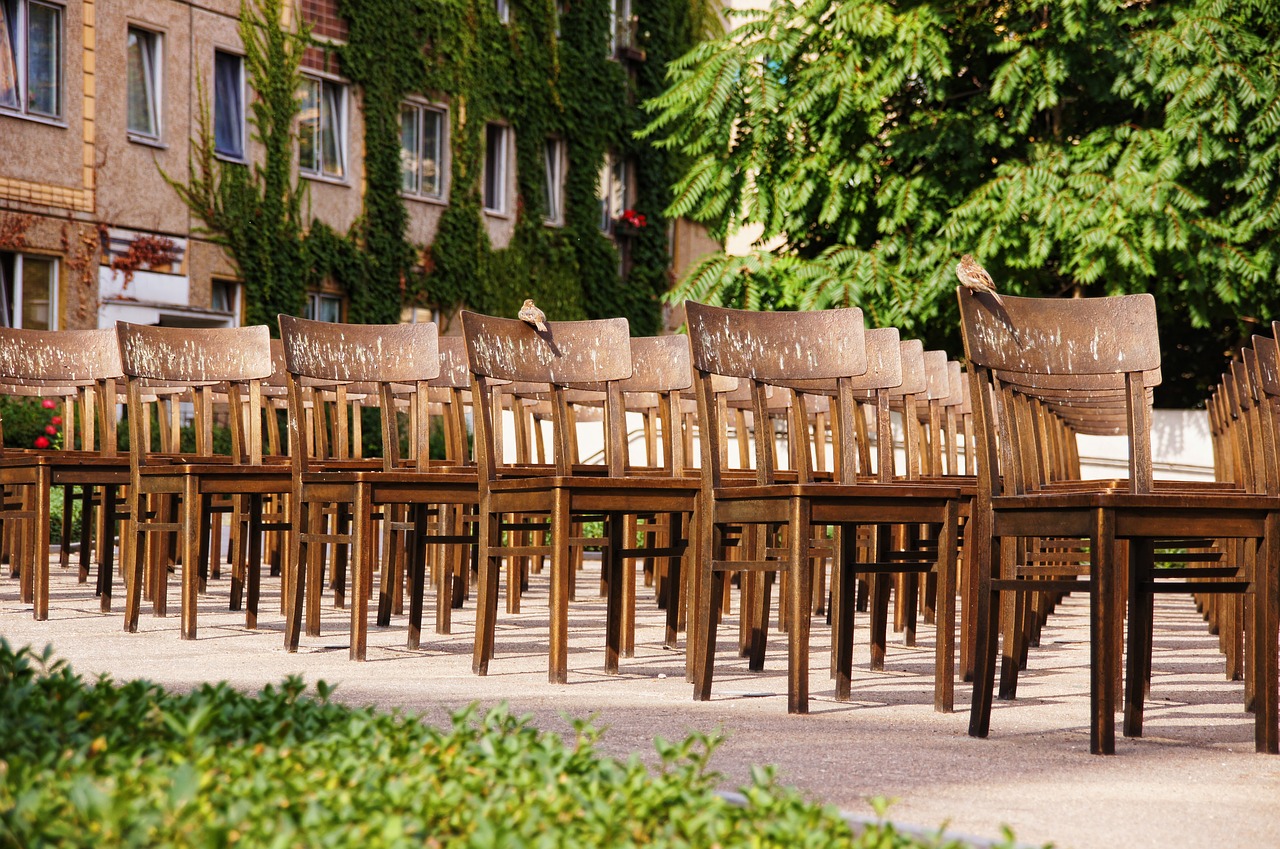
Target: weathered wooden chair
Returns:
[[1091, 362], [196, 363], [593, 355], [397, 364], [801, 352], [82, 367]]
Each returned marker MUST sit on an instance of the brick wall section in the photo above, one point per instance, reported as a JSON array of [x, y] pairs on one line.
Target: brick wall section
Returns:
[[323, 17], [323, 60]]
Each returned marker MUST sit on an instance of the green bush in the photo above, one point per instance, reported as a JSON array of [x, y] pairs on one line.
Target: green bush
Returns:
[[100, 764], [25, 419]]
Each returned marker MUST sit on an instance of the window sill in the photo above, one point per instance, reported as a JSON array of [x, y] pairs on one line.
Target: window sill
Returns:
[[324, 178], [147, 142], [553, 222], [234, 160], [35, 119], [497, 213], [443, 200]]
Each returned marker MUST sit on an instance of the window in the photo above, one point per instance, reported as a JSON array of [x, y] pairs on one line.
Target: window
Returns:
[[613, 191], [553, 188], [322, 307], [422, 134], [559, 12], [503, 8], [28, 291], [228, 105], [619, 26], [224, 296], [143, 83], [495, 168], [31, 57], [322, 129]]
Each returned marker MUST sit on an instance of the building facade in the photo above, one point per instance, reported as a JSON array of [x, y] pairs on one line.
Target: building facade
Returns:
[[99, 101]]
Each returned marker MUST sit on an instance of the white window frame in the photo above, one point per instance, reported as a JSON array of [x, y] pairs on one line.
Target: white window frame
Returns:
[[16, 285], [152, 53], [500, 205], [241, 117], [315, 170], [315, 299], [420, 110], [503, 10], [17, 42], [555, 162]]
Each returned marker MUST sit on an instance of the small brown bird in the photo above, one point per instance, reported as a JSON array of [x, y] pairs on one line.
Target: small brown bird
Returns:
[[975, 278], [530, 314]]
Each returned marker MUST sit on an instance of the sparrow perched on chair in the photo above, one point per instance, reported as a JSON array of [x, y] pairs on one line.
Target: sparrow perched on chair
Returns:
[[530, 314], [975, 278]]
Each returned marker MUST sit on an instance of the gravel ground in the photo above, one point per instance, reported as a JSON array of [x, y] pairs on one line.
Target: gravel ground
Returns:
[[1193, 780]]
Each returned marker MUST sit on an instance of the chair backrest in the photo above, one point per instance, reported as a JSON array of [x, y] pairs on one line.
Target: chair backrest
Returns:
[[80, 366], [567, 355], [395, 362], [1083, 359], [787, 349], [174, 361]]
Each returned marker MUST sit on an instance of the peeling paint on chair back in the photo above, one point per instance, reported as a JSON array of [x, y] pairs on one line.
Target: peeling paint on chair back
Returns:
[[568, 353], [360, 353], [195, 355], [777, 346], [67, 357]]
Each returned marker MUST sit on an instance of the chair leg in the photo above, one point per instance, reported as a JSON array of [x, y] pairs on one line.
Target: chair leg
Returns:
[[1140, 563], [797, 600], [40, 543], [1266, 658], [106, 562], [253, 563], [844, 590], [192, 504], [615, 565], [295, 579], [1103, 596], [561, 576], [487, 590], [417, 574], [676, 597], [983, 554], [944, 670], [361, 571]]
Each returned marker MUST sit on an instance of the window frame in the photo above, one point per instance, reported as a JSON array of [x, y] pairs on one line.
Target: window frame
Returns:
[[316, 171], [420, 108], [614, 182], [234, 287], [20, 56], [315, 297], [504, 159], [554, 181], [243, 116], [503, 10], [17, 286], [155, 81]]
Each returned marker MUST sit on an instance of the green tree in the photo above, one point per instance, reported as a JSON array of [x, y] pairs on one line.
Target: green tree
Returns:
[[1075, 146]]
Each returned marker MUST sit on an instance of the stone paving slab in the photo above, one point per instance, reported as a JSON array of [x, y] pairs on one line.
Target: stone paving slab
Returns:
[[1192, 781]]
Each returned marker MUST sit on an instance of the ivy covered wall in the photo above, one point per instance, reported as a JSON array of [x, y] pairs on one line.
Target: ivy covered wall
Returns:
[[540, 85]]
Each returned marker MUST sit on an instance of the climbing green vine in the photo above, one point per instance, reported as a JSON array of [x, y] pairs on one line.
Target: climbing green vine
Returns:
[[519, 73]]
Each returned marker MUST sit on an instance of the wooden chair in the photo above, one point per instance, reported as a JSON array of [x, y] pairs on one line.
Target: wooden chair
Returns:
[[197, 363], [82, 367], [396, 364], [1091, 362], [802, 352], [592, 355]]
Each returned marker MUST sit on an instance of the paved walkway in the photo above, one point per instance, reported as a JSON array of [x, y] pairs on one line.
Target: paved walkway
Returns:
[[1192, 781]]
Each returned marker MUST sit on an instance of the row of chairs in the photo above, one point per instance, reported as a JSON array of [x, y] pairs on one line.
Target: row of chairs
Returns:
[[796, 474]]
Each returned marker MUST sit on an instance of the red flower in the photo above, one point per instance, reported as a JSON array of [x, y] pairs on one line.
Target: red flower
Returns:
[[48, 403], [51, 430], [41, 442], [56, 419]]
